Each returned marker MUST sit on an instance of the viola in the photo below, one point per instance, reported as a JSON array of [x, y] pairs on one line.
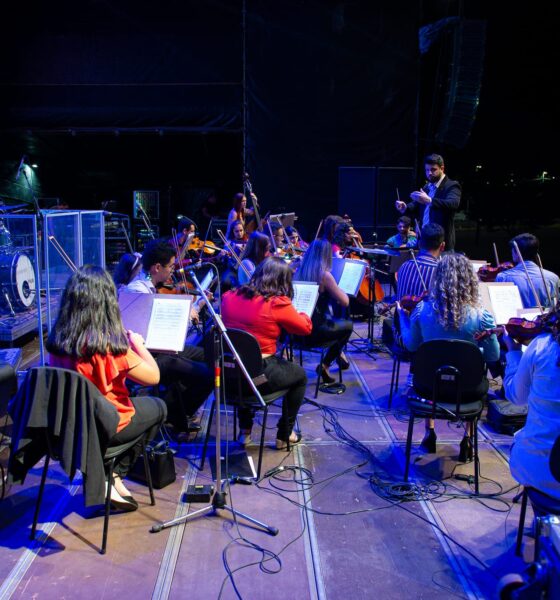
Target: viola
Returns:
[[488, 273], [208, 247]]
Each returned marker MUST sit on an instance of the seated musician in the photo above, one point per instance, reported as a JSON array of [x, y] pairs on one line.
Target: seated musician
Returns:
[[528, 245], [237, 234], [88, 336], [191, 378], [295, 238], [316, 267], [405, 237], [257, 249], [126, 270], [278, 240], [329, 225], [533, 377], [229, 266], [263, 307], [239, 212], [342, 238], [451, 311], [413, 280]]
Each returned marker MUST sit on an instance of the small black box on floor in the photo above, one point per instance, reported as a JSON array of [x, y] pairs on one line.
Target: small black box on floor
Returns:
[[199, 493]]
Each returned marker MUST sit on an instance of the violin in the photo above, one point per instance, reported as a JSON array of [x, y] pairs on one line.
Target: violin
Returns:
[[524, 330], [488, 273], [208, 247], [409, 303]]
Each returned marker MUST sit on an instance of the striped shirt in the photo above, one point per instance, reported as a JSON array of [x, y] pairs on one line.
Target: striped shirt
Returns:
[[408, 281]]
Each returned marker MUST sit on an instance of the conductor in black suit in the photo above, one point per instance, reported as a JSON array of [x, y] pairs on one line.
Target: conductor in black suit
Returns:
[[437, 202]]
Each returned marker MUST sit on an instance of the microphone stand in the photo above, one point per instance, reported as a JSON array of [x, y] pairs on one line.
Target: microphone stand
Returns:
[[218, 501]]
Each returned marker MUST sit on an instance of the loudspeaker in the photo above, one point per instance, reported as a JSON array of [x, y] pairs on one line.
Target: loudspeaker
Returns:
[[389, 180], [356, 194]]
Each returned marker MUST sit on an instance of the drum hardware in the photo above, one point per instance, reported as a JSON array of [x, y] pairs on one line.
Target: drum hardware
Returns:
[[7, 298]]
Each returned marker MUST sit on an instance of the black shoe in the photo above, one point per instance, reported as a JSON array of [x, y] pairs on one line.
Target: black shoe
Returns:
[[122, 503], [428, 444], [323, 372], [465, 450], [342, 362]]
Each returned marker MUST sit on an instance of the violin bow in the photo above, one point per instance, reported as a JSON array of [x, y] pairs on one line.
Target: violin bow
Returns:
[[272, 237], [541, 269], [179, 253], [319, 228], [496, 254], [418, 269], [62, 253], [254, 202], [286, 238], [531, 284], [128, 243]]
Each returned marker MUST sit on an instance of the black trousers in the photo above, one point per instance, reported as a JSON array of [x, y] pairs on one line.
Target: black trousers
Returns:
[[149, 417], [280, 374], [332, 332], [188, 380]]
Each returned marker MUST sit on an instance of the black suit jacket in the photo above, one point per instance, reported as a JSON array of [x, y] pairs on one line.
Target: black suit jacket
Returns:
[[445, 204]]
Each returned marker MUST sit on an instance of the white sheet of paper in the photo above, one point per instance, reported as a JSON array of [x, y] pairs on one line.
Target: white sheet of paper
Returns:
[[168, 325], [351, 277], [305, 297], [505, 301]]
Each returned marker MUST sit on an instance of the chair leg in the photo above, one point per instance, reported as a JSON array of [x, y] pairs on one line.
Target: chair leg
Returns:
[[392, 382], [521, 522], [110, 482], [235, 423], [474, 442], [148, 473], [206, 437], [40, 496], [261, 446], [408, 445], [398, 374]]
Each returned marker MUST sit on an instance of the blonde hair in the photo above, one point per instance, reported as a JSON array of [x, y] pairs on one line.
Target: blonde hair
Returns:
[[454, 290]]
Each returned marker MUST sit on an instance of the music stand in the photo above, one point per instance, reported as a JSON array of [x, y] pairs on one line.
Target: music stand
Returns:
[[218, 501]]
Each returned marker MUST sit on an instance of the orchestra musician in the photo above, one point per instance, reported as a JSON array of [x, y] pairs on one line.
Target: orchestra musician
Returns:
[[257, 249], [342, 237], [88, 337], [239, 212], [329, 224], [404, 238], [263, 307], [533, 377], [186, 375], [437, 202], [451, 311], [278, 239], [528, 245], [237, 234], [316, 267], [295, 238], [415, 276], [126, 270]]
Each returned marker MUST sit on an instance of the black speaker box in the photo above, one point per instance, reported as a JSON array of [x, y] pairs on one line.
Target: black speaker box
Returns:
[[356, 194], [389, 180]]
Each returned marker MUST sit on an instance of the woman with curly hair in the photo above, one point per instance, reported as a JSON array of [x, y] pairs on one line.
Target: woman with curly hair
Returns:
[[451, 311], [263, 308], [533, 378]]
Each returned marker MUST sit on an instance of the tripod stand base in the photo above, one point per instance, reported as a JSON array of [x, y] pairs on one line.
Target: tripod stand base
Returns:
[[218, 503], [332, 388]]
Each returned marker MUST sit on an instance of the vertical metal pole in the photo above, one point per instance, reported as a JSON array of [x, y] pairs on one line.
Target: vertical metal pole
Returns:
[[244, 80], [37, 252]]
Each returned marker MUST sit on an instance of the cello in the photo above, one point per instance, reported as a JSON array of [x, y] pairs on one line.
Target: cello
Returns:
[[255, 223]]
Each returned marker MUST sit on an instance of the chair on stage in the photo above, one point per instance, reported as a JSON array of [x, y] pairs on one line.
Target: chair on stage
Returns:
[[400, 354], [541, 503], [237, 390], [60, 414], [449, 383]]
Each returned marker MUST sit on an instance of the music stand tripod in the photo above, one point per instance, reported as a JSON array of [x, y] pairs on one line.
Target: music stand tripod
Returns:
[[218, 501]]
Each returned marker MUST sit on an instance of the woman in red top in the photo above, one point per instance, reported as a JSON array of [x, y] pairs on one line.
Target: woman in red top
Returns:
[[264, 307], [88, 336]]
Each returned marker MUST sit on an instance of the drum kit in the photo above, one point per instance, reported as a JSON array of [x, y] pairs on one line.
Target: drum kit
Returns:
[[17, 275]]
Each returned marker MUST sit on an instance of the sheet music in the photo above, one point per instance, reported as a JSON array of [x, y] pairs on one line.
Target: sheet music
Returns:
[[505, 301], [305, 296], [168, 324], [477, 264], [351, 278]]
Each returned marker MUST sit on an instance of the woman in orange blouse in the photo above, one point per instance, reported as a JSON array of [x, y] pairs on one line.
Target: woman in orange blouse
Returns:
[[264, 307], [89, 337]]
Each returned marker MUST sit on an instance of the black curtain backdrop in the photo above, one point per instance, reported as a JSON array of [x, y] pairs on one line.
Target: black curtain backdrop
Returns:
[[112, 97]]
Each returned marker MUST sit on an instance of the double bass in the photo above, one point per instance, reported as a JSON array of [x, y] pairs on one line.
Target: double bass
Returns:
[[255, 223]]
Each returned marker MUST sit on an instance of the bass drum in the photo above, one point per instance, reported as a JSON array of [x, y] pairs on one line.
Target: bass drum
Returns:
[[17, 279]]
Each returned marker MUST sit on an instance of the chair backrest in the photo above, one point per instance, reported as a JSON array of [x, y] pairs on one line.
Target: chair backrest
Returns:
[[62, 413], [555, 459], [461, 369], [249, 352]]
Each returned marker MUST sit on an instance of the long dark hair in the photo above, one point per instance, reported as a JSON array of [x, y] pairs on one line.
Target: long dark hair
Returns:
[[89, 320], [256, 248], [273, 277], [127, 267], [317, 260]]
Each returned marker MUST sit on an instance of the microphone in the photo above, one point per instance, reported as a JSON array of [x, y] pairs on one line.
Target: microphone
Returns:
[[195, 267], [106, 213], [21, 165]]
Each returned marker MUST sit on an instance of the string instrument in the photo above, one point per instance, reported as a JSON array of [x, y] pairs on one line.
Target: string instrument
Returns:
[[233, 253], [207, 247], [255, 224], [488, 273], [523, 330], [409, 303], [365, 293]]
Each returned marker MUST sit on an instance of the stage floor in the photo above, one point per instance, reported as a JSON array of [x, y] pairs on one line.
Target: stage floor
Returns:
[[337, 538]]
